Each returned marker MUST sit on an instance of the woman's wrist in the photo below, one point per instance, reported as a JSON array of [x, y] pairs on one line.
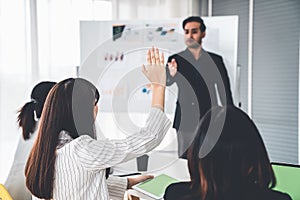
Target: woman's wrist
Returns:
[[158, 106], [158, 86], [158, 96]]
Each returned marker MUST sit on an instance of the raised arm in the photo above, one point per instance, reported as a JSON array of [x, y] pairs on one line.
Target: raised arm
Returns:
[[100, 154], [156, 74]]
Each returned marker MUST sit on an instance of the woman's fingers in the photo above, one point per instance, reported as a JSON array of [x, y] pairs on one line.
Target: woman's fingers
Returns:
[[162, 59], [148, 57], [157, 62], [153, 60], [154, 57]]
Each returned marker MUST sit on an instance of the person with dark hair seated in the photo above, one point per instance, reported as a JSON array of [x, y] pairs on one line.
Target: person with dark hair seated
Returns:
[[227, 161], [67, 161], [28, 118]]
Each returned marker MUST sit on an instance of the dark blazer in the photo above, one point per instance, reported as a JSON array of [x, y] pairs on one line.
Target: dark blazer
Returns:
[[197, 81], [202, 84], [182, 191]]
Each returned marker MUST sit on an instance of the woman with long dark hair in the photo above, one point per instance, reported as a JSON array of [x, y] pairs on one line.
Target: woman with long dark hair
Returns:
[[67, 162], [227, 161], [28, 118]]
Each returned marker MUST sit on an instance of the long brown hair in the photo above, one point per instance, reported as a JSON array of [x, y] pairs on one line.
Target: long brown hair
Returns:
[[64, 102], [237, 163]]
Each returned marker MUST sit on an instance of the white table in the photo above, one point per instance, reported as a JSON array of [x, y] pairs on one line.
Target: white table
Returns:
[[159, 162]]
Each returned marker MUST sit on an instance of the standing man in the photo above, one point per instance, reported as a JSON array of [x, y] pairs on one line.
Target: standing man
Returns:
[[202, 82]]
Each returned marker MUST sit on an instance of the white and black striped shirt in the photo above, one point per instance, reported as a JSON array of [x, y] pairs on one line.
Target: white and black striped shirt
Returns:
[[80, 165]]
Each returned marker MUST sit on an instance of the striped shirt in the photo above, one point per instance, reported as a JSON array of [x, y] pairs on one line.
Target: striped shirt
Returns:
[[80, 165], [117, 187]]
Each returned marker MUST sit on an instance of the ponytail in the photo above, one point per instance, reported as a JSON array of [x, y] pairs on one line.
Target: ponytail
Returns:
[[26, 119]]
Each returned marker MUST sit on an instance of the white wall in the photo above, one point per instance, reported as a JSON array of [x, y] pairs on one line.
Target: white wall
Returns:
[[154, 9]]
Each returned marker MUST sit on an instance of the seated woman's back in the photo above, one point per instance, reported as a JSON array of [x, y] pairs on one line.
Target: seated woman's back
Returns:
[[183, 191], [227, 160], [27, 121]]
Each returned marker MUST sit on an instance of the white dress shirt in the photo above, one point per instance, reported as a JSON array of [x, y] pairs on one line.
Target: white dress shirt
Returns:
[[80, 165]]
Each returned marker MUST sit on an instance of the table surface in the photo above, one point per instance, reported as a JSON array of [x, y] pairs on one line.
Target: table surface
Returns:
[[159, 162]]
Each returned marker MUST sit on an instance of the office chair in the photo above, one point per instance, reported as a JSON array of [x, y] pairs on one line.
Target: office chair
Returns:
[[288, 179], [4, 195]]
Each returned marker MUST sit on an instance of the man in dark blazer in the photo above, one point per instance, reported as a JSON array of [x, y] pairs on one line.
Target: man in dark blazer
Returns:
[[202, 82]]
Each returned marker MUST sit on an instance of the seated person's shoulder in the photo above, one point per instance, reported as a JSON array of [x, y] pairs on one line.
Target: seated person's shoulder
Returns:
[[276, 195], [271, 195], [181, 190]]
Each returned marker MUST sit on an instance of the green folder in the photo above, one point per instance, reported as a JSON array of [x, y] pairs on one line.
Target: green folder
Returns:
[[155, 187], [288, 179]]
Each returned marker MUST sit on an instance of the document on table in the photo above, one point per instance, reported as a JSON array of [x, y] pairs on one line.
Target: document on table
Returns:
[[155, 187]]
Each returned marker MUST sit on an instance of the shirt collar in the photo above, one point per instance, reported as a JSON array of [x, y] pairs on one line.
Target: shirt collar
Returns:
[[63, 139], [187, 52]]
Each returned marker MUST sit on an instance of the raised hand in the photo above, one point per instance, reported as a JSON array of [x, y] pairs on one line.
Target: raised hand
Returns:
[[155, 70], [172, 67]]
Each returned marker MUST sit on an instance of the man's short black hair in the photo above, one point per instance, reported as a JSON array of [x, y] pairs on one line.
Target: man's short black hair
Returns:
[[195, 19]]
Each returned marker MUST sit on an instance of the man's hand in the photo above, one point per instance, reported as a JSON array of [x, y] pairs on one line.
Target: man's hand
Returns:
[[172, 67], [137, 179]]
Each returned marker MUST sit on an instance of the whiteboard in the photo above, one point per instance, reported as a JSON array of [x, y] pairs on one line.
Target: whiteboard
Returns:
[[112, 61]]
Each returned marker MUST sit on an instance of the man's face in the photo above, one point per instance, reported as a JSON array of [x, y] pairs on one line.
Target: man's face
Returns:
[[192, 34]]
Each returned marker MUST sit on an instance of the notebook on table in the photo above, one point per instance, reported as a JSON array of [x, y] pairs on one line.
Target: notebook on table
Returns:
[[155, 187], [287, 178]]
